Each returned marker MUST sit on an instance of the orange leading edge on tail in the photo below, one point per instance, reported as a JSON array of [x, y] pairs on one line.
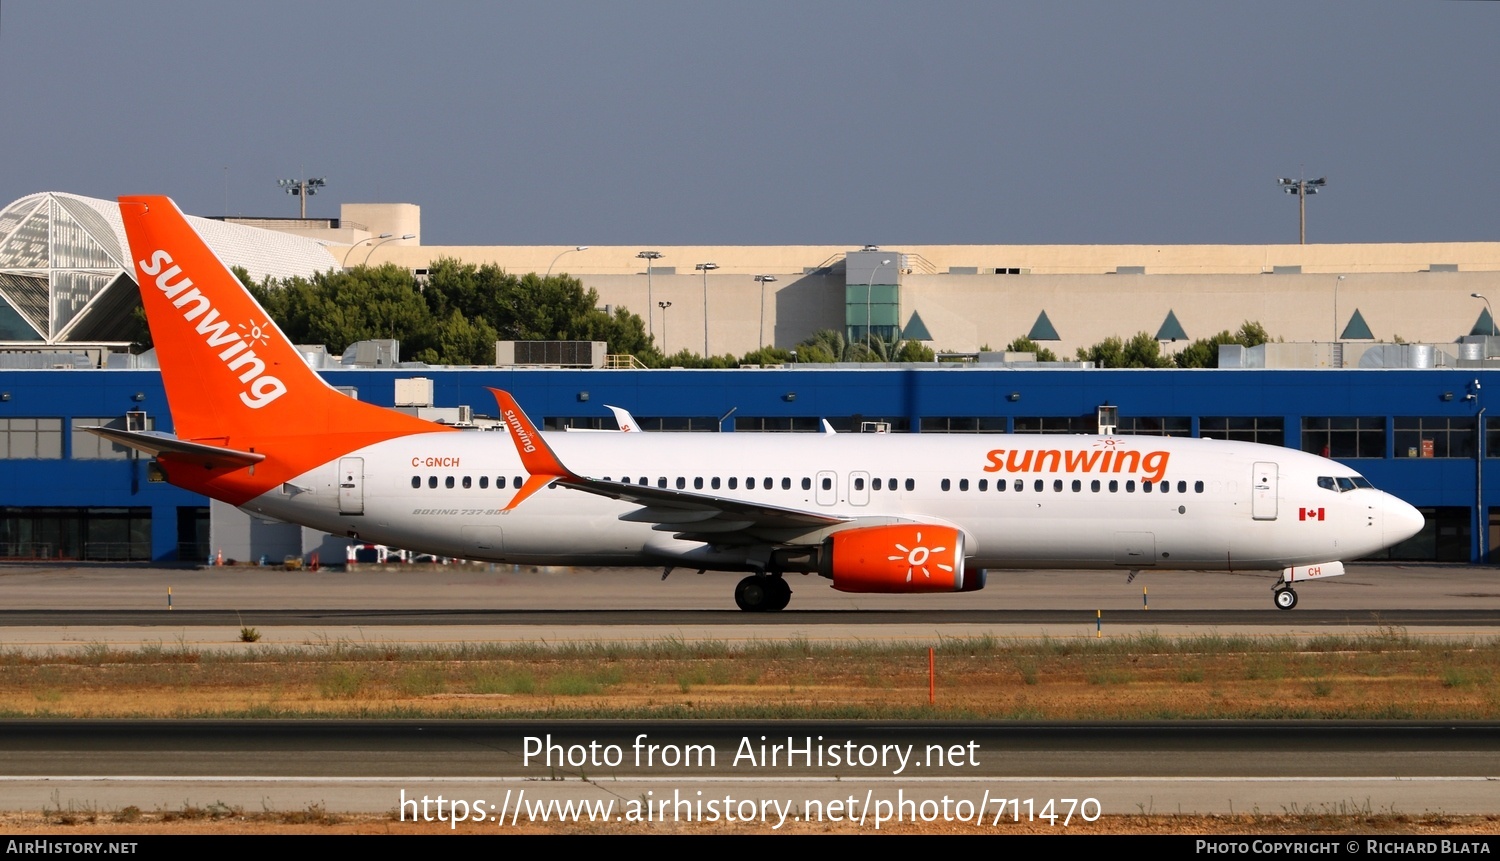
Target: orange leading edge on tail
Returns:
[[902, 513]]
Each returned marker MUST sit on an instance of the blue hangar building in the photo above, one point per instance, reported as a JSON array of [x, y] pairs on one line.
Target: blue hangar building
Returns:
[[1425, 435]]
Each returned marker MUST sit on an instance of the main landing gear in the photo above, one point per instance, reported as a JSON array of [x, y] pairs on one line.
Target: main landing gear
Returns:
[[1284, 597], [762, 593]]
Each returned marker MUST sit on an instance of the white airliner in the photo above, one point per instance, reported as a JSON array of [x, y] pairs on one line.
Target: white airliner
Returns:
[[257, 428]]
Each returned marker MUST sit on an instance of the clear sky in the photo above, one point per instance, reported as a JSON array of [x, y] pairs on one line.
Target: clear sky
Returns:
[[814, 122]]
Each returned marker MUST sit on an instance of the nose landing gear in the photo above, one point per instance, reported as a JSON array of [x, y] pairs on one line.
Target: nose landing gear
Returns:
[[1284, 597]]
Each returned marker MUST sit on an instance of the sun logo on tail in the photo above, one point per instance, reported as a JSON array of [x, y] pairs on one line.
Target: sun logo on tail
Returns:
[[254, 331], [916, 558]]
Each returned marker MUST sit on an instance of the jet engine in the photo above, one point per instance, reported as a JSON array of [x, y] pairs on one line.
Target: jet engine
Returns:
[[903, 557]]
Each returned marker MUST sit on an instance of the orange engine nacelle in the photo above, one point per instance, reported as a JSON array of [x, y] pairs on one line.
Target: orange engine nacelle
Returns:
[[904, 557]]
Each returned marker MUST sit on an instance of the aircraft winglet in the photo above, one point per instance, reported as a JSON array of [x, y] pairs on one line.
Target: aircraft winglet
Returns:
[[536, 456]]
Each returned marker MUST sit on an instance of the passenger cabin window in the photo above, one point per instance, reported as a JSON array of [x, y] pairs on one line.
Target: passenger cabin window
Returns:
[[806, 483], [416, 481], [911, 484], [468, 482], [448, 482], [827, 483], [484, 482]]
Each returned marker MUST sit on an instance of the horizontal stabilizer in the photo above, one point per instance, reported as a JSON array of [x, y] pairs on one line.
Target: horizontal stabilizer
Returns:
[[157, 444]]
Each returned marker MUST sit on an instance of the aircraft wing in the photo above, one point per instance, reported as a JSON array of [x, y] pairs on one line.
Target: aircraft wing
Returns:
[[157, 444], [694, 516]]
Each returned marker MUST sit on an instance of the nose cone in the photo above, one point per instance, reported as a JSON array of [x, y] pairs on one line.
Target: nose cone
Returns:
[[1402, 521]]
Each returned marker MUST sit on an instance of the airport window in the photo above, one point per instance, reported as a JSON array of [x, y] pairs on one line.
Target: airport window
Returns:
[[1267, 430], [963, 424], [432, 481], [678, 424], [1492, 437], [1344, 436], [468, 482], [416, 481], [1057, 424], [1155, 426], [87, 446], [777, 424], [34, 439], [95, 534], [1434, 436]]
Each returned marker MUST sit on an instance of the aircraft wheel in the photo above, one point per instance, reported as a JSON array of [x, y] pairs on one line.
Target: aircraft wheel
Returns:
[[780, 594], [754, 594], [1285, 598]]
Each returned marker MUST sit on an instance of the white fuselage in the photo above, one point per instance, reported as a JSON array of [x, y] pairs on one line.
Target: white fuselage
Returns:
[[1066, 502]]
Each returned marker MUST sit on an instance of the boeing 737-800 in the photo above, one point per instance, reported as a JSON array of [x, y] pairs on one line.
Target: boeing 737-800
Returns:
[[257, 428]]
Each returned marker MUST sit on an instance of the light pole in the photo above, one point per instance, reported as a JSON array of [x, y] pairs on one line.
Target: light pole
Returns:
[[345, 263], [1302, 188], [705, 268], [302, 188], [664, 306], [1487, 308], [763, 279], [384, 241], [869, 287], [649, 256], [560, 254]]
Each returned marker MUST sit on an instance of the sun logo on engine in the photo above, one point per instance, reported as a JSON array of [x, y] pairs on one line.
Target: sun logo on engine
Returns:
[[255, 331], [916, 559]]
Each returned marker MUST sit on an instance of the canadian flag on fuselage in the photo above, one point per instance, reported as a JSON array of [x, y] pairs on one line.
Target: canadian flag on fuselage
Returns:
[[232, 377], [1309, 514]]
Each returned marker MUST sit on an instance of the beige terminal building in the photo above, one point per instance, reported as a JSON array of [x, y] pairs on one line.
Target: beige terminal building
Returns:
[[954, 298]]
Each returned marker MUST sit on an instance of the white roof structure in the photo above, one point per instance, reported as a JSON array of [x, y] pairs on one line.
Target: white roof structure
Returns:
[[66, 274]]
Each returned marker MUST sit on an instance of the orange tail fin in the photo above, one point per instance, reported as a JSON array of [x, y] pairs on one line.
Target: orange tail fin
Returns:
[[232, 377]]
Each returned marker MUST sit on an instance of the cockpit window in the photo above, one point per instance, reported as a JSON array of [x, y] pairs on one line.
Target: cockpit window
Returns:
[[1344, 483]]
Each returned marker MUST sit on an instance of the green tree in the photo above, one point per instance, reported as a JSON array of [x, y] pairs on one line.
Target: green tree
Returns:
[[1204, 352], [1024, 344], [1141, 351]]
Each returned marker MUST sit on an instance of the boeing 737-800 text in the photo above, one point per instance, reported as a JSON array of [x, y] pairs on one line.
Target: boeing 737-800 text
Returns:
[[256, 427]]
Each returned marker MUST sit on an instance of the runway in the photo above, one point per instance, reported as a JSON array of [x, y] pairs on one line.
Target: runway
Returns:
[[52, 607], [1185, 767]]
